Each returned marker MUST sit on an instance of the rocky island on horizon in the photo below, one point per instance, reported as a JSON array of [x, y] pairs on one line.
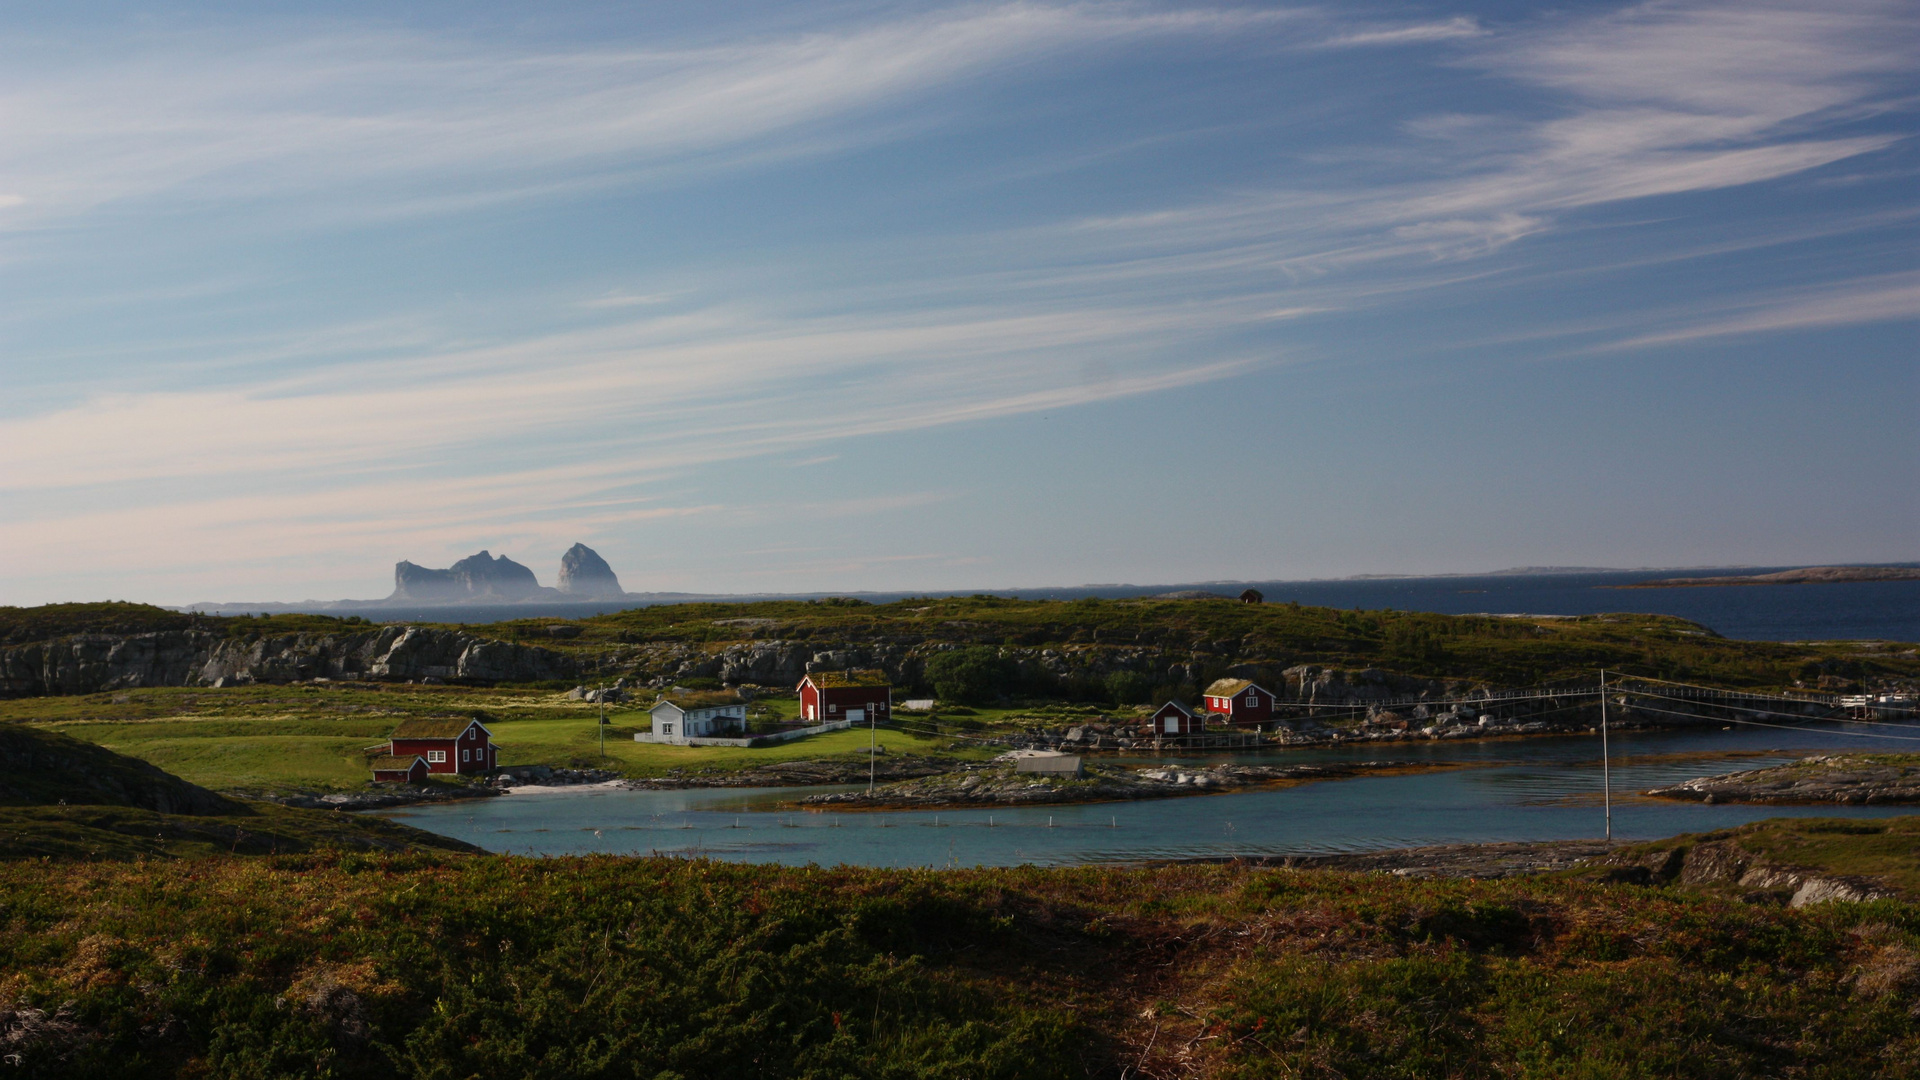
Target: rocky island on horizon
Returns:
[[484, 578]]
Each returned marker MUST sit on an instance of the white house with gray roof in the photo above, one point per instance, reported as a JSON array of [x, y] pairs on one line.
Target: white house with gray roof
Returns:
[[679, 718]]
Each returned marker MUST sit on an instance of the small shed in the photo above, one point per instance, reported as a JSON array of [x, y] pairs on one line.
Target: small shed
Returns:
[[399, 769], [1174, 718], [1252, 596], [1243, 703]]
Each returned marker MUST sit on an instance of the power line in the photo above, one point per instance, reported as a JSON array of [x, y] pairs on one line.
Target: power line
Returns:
[[1829, 719], [1776, 727]]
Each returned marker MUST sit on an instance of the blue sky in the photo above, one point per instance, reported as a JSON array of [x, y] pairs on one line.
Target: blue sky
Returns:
[[787, 297]]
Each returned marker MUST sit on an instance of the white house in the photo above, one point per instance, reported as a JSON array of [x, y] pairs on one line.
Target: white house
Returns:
[[696, 716]]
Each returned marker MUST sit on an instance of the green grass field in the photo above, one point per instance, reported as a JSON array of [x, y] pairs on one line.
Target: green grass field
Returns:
[[279, 739]]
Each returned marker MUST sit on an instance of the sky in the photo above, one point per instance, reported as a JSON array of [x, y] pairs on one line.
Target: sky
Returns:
[[778, 297]]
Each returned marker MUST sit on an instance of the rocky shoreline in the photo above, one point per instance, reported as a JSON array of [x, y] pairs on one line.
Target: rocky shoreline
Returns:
[[887, 768], [1841, 779], [999, 784]]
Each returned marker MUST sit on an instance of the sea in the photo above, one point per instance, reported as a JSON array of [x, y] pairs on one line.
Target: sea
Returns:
[[1844, 611]]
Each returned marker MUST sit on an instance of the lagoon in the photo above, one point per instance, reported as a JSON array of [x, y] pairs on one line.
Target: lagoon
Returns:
[[1543, 788]]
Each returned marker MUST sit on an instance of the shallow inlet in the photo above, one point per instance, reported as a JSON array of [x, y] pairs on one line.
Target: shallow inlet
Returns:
[[1517, 789]]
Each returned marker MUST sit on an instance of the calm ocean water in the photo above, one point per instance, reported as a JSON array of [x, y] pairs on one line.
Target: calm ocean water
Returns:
[[1886, 610], [1511, 789]]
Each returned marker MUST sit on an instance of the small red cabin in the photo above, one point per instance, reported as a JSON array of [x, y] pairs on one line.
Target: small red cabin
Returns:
[[1174, 718], [454, 745], [858, 696], [1240, 701], [389, 769]]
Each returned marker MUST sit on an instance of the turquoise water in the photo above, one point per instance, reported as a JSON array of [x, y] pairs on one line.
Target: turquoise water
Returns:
[[1534, 789]]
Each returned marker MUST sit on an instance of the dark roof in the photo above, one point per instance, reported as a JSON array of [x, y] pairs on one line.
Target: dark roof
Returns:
[[433, 727], [701, 699], [385, 762], [861, 677], [1183, 710]]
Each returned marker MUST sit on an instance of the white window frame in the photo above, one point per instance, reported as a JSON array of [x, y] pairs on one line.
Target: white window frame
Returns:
[[1253, 701], [833, 708], [466, 754], [436, 757]]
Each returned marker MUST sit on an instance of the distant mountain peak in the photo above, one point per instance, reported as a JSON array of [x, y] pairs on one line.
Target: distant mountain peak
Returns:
[[480, 576], [584, 573]]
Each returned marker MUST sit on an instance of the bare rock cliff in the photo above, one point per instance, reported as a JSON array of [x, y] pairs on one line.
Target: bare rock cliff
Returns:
[[89, 663]]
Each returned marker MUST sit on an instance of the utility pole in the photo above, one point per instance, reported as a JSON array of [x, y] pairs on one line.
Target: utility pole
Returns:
[[603, 719], [873, 734], [1606, 762]]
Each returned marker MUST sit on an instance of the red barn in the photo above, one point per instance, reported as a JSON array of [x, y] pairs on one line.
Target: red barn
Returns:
[[858, 696], [1174, 718], [454, 745], [1240, 701], [388, 769]]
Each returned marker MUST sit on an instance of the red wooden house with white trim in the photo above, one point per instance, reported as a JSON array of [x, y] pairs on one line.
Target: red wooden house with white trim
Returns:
[[858, 696], [1240, 701], [450, 745]]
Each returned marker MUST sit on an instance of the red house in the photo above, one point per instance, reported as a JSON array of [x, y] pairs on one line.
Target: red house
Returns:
[[455, 745], [1240, 701], [1174, 718], [858, 696], [389, 769]]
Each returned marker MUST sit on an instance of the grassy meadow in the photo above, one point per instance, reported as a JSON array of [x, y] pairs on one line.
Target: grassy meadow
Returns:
[[272, 739]]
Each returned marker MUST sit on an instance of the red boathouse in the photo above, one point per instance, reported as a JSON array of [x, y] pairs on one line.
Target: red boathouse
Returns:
[[1174, 718]]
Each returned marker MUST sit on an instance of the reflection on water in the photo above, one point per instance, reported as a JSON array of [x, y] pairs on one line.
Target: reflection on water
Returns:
[[1537, 789]]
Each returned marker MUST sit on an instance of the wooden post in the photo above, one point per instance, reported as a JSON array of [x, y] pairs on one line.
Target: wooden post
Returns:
[[1606, 764]]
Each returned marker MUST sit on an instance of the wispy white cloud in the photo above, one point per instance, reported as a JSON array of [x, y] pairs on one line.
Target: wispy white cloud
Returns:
[[1894, 298], [1655, 100], [1460, 26], [436, 124]]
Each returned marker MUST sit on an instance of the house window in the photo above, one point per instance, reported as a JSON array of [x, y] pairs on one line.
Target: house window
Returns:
[[465, 754], [437, 756], [666, 729], [1253, 700], [833, 708]]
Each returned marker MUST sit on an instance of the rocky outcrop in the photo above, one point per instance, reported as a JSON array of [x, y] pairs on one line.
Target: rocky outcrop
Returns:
[[583, 573], [1842, 779], [1722, 864], [476, 577], [89, 663]]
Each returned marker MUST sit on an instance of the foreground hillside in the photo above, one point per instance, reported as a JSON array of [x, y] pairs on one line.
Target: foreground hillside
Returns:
[[64, 798], [425, 966]]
